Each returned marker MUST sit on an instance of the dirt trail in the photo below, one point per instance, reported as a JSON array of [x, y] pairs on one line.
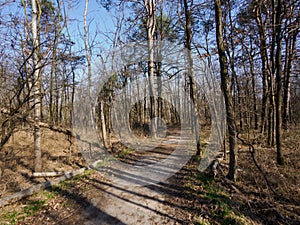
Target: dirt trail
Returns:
[[127, 191], [133, 205]]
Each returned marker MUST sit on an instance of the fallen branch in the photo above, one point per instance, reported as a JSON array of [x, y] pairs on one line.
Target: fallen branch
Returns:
[[47, 174], [52, 127], [36, 188]]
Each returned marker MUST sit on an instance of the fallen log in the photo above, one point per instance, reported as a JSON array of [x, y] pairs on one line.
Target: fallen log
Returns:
[[47, 174], [36, 188]]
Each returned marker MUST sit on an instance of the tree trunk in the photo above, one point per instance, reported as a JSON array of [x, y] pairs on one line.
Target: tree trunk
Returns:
[[272, 107], [87, 50], [73, 81], [253, 84], [191, 75], [225, 85], [53, 70], [36, 88], [280, 158], [264, 60], [235, 81], [290, 55], [150, 6], [40, 82], [103, 125], [271, 110]]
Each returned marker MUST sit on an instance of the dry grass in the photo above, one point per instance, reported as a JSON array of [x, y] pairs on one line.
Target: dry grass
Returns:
[[256, 196], [17, 159]]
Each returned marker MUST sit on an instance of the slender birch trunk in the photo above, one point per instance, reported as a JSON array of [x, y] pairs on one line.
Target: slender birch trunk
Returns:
[[36, 88], [150, 6]]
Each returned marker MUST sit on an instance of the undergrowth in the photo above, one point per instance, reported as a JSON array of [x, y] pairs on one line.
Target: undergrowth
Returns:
[[39, 201]]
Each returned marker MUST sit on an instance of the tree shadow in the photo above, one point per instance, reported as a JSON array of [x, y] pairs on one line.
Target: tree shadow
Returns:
[[86, 212], [127, 197]]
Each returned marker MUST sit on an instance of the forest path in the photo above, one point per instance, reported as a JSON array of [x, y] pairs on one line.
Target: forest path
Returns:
[[130, 192]]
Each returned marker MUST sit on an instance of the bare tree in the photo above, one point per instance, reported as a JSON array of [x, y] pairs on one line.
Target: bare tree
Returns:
[[225, 85], [278, 32], [36, 88], [150, 6], [191, 75], [261, 24], [87, 47], [290, 53]]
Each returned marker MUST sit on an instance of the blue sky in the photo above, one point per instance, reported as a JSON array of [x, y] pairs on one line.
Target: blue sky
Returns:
[[100, 23], [98, 19]]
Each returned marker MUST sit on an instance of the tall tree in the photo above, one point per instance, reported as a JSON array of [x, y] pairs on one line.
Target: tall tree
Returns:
[[292, 30], [36, 87], [191, 74], [150, 6], [225, 85], [87, 48], [261, 24], [278, 32], [53, 73], [231, 52]]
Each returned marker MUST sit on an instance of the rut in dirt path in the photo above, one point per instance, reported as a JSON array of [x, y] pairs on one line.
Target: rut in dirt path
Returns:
[[133, 191]]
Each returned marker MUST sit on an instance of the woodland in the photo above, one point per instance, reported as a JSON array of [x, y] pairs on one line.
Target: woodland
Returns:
[[220, 74]]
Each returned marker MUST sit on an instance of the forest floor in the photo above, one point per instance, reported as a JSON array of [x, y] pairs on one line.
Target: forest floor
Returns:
[[187, 197]]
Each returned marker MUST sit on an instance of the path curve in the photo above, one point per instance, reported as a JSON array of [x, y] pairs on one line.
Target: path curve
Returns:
[[118, 202]]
